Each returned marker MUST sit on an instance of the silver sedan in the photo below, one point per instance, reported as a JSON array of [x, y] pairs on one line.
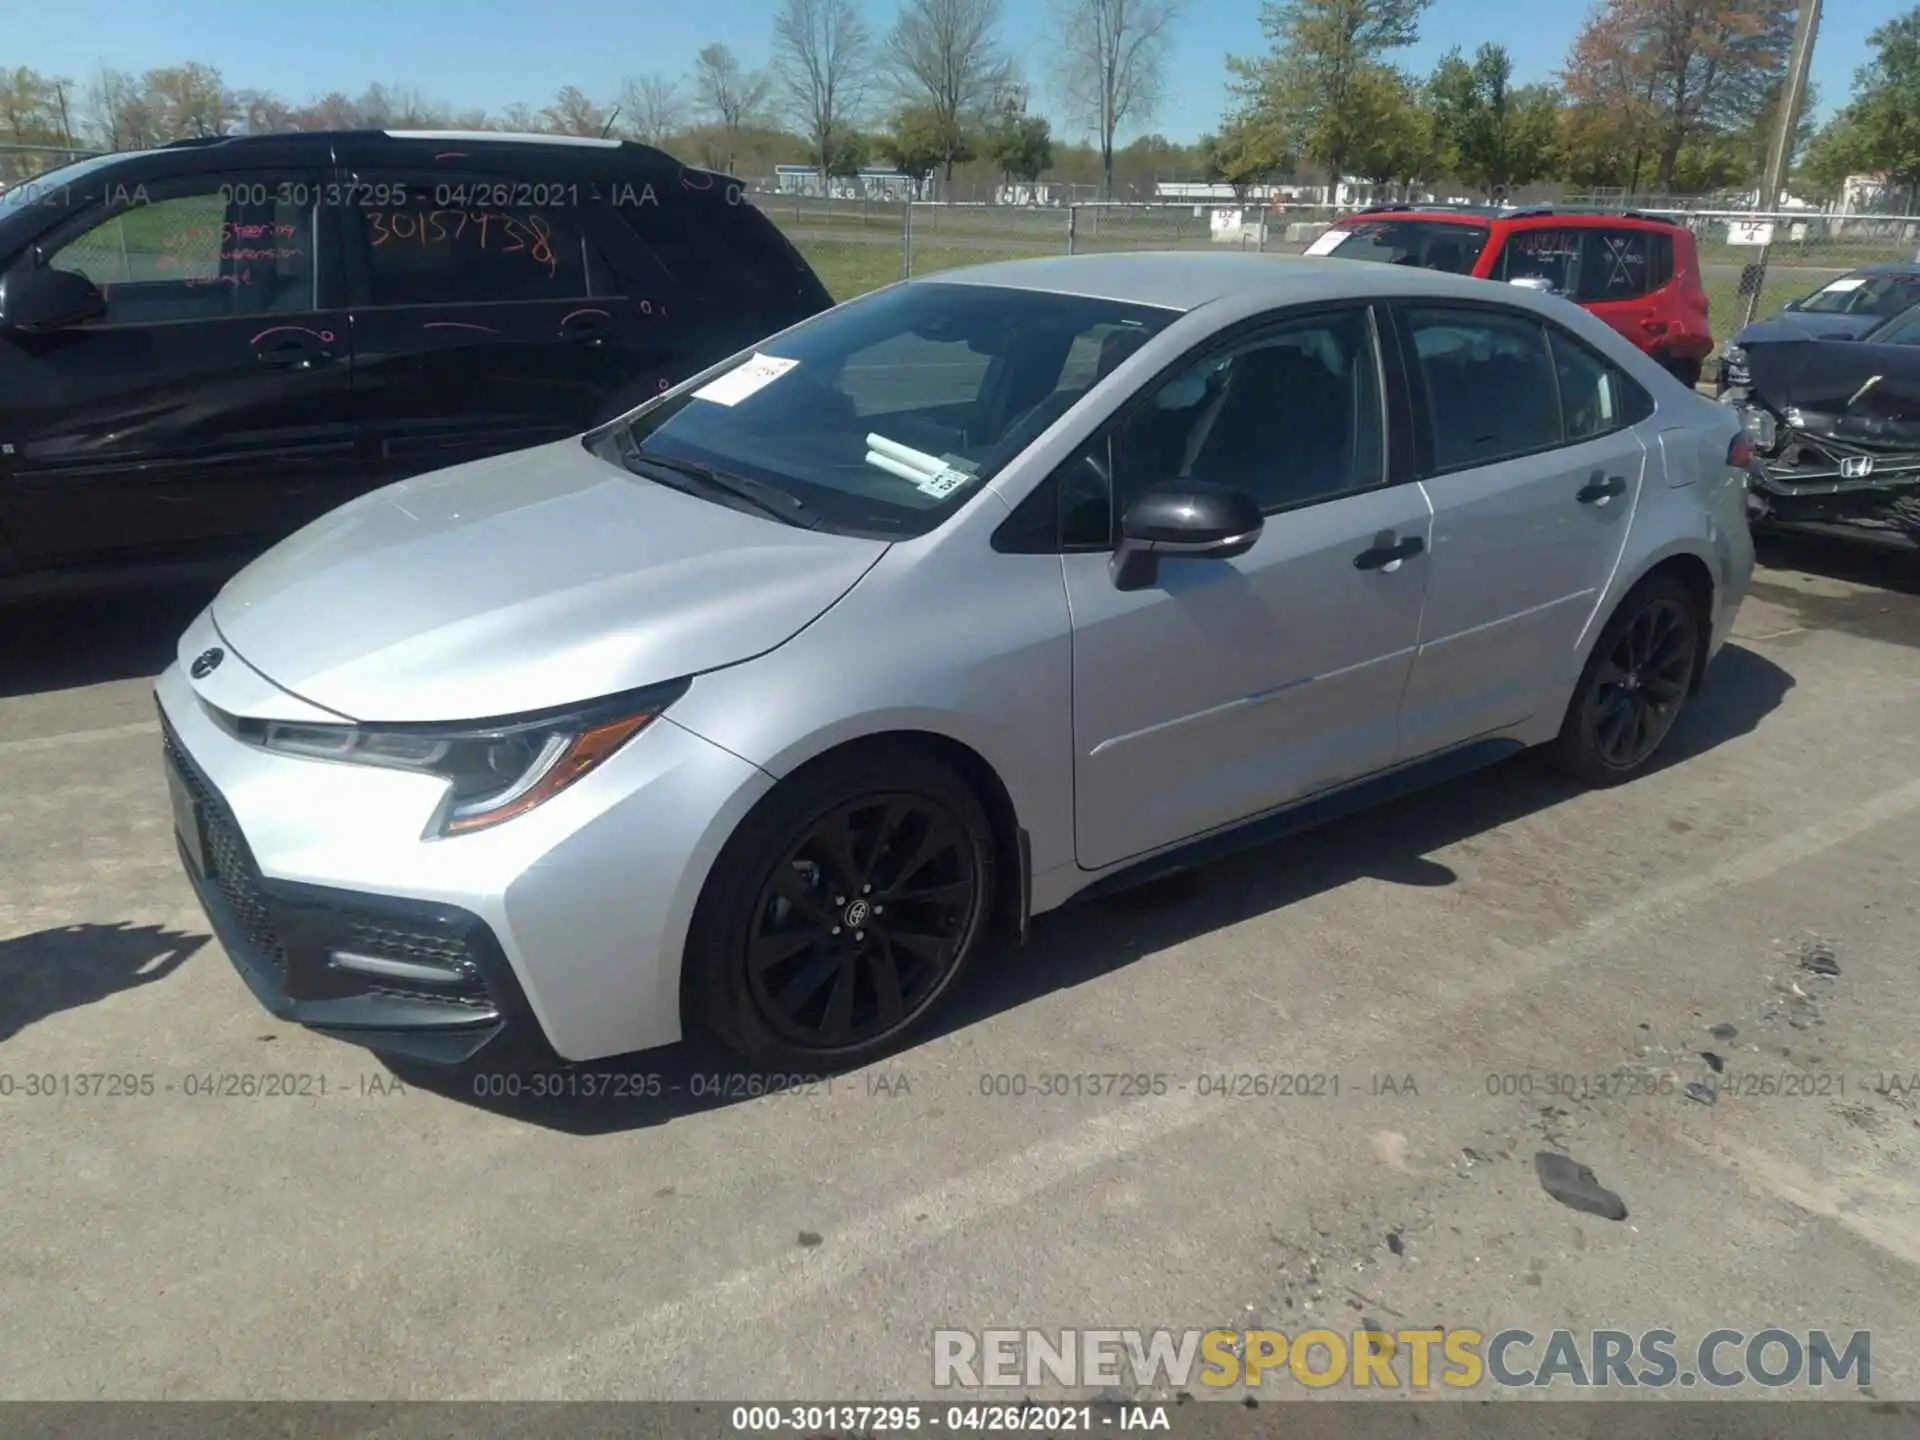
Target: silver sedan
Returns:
[[765, 706]]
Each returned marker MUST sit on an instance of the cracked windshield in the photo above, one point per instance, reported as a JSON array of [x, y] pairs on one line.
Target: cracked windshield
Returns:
[[855, 717]]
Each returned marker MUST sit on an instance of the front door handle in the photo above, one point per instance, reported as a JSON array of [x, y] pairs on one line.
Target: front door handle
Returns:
[[1386, 551], [589, 328], [1598, 491]]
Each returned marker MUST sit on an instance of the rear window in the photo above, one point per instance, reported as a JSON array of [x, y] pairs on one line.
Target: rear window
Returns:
[[714, 242], [1427, 244]]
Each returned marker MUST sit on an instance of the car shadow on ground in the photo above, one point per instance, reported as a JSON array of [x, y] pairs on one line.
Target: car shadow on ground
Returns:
[[1081, 943], [61, 644], [1880, 567], [53, 970]]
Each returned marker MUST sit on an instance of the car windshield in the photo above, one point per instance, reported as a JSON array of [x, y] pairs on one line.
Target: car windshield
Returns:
[[1864, 294], [883, 415], [1428, 244], [1901, 329]]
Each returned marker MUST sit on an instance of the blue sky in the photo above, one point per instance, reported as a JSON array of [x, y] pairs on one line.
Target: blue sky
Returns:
[[485, 53]]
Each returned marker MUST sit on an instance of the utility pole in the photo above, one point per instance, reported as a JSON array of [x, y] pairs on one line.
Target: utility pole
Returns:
[[1792, 96]]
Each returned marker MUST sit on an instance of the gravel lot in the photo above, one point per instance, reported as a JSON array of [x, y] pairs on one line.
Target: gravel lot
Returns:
[[396, 1239]]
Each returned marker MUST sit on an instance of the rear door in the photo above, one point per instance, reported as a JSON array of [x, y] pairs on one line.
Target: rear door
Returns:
[[216, 383], [1622, 272], [1529, 457], [488, 317]]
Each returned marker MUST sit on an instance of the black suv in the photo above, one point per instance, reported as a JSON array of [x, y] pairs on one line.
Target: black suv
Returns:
[[205, 346]]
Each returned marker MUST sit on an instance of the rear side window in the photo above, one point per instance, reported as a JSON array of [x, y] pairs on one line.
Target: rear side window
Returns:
[[1550, 255], [1614, 265], [423, 253], [1595, 398], [1659, 260], [1490, 383], [713, 241]]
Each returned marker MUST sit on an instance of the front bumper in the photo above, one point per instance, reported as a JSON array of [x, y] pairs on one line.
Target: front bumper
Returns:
[[558, 933]]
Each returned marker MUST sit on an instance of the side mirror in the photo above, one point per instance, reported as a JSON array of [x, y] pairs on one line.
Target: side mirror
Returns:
[[33, 301], [1791, 305], [1188, 519], [1537, 283]]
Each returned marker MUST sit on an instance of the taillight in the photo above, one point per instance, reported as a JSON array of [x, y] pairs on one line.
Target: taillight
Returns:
[[1740, 451]]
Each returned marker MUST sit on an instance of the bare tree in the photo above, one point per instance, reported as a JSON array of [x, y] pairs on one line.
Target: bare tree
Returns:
[[1111, 65], [730, 96], [945, 57], [574, 112], [823, 52], [118, 114], [655, 107]]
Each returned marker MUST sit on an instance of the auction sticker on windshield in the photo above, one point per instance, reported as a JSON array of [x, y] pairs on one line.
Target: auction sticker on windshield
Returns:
[[749, 377]]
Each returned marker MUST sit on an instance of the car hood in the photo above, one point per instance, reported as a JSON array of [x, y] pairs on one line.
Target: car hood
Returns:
[[1804, 325], [524, 582], [1867, 395]]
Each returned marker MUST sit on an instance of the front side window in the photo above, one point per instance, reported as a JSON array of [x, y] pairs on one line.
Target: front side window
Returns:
[[420, 252], [881, 416], [230, 249], [1291, 415], [1490, 384], [1902, 329], [1427, 244]]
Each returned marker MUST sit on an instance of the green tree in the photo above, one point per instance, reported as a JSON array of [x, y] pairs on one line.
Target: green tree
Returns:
[[1022, 146], [1490, 134], [851, 151], [1879, 131], [1250, 149], [922, 139], [1324, 56], [1396, 132]]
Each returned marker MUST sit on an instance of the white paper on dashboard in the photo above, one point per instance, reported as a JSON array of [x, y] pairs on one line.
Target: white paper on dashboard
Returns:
[[749, 377], [1851, 282], [1328, 242]]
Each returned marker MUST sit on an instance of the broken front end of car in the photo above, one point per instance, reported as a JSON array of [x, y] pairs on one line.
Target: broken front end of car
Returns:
[[1836, 433]]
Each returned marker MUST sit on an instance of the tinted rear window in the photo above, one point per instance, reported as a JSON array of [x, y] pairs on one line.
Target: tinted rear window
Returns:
[[1428, 244], [714, 242]]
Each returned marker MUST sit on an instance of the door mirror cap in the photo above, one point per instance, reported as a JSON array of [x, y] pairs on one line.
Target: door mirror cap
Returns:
[[35, 301], [1188, 519], [1537, 283], [1791, 305]]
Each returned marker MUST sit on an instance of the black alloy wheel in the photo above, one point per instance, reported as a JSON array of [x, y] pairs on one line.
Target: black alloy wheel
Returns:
[[862, 923], [1634, 686], [842, 911]]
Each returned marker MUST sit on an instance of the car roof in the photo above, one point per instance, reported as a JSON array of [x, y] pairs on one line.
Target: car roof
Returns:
[[1524, 215], [1887, 267], [1185, 280]]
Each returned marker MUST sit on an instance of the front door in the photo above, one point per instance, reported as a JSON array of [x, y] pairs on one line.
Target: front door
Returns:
[[217, 380], [1533, 469], [1231, 687], [484, 322]]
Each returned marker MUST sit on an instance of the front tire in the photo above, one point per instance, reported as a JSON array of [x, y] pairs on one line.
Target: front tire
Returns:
[[842, 911], [1634, 686]]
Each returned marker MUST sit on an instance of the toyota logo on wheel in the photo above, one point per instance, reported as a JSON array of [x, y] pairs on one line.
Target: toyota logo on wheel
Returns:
[[206, 662]]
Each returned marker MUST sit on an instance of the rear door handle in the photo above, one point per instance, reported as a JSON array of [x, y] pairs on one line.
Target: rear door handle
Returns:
[[1386, 551], [588, 329], [1598, 491], [293, 353]]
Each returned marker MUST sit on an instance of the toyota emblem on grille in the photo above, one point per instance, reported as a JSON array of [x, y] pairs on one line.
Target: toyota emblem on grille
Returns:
[[206, 662], [1856, 467]]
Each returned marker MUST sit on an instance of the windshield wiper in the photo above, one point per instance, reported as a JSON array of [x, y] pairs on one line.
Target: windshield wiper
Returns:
[[769, 500]]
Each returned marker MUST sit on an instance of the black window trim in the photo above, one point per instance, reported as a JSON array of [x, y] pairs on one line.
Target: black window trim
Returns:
[[95, 210], [1553, 333], [1398, 467], [357, 252]]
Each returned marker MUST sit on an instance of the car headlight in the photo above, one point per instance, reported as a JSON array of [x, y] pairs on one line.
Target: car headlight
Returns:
[[1733, 357], [494, 770], [1760, 424]]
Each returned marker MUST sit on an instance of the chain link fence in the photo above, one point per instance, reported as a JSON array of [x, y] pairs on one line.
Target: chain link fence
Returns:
[[1751, 262]]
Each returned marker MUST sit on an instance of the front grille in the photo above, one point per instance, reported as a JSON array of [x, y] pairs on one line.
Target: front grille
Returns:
[[229, 862]]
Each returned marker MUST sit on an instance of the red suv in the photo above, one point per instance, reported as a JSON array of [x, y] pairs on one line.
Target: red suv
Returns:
[[1638, 273]]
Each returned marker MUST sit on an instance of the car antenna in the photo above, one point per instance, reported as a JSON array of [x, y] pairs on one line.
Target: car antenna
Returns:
[[607, 129]]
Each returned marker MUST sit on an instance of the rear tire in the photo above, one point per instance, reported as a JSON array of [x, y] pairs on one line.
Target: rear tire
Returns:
[[1634, 686], [842, 911]]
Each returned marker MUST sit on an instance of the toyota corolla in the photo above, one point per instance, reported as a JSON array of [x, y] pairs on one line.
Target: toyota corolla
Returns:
[[765, 707]]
